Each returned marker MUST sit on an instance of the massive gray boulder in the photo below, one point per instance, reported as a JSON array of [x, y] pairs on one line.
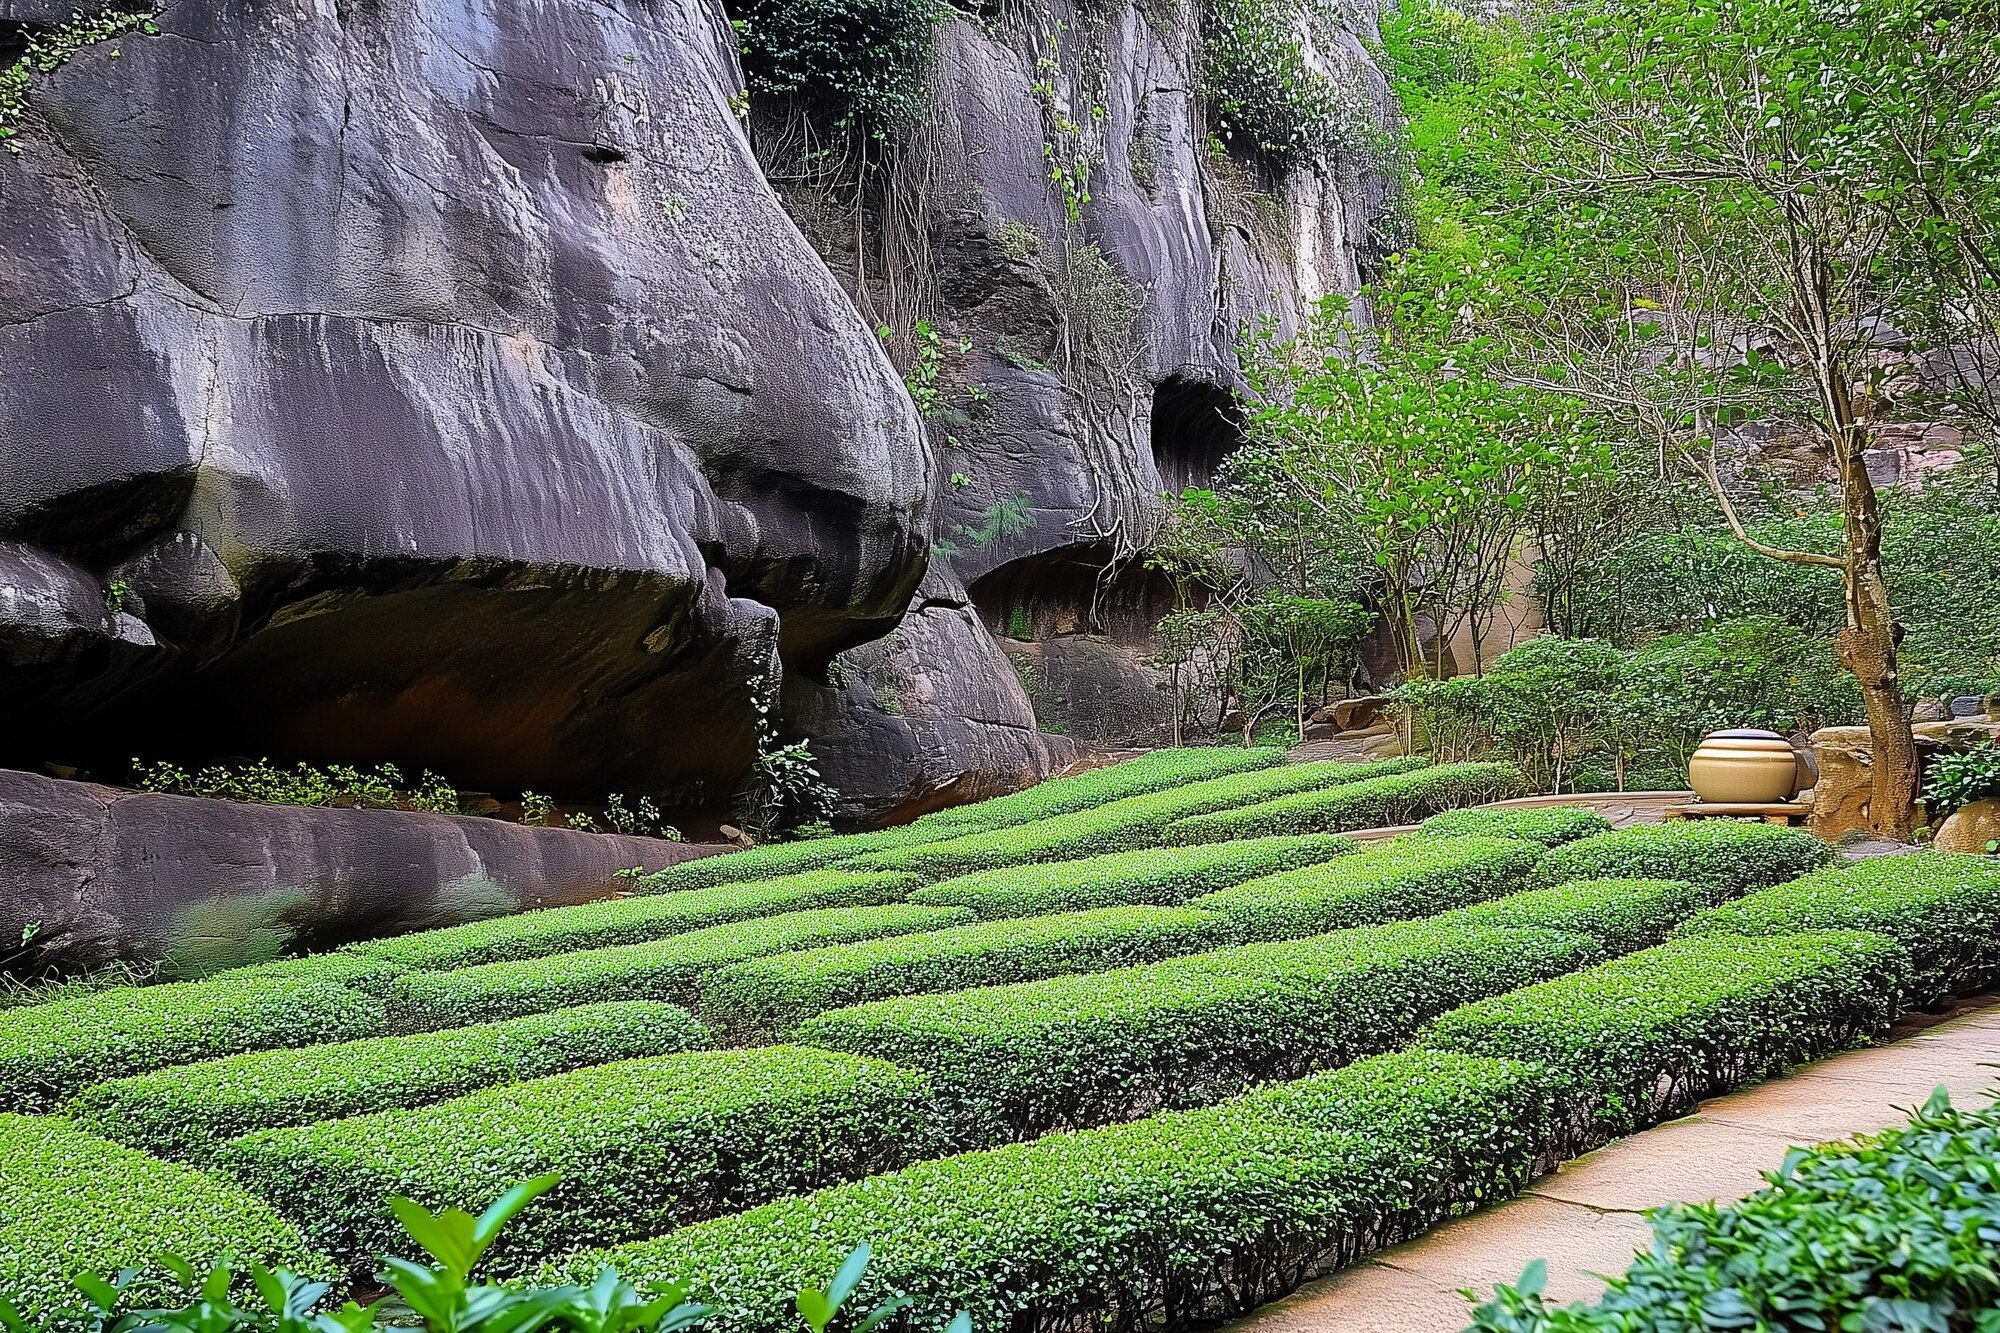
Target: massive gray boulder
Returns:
[[443, 383], [434, 381]]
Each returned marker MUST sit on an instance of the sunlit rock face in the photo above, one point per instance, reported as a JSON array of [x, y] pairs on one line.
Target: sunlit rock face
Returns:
[[428, 380]]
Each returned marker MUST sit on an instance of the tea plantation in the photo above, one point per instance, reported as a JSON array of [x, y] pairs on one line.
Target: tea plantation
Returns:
[[1149, 1045]]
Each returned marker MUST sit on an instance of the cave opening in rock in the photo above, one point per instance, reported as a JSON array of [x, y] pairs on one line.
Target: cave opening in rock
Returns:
[[1194, 427]]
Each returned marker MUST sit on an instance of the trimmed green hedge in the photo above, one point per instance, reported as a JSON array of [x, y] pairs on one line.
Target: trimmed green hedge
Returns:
[[1015, 1061], [642, 1146], [71, 1202], [1161, 876], [1621, 914], [1943, 908], [1152, 772], [770, 996], [1730, 857], [189, 1110], [671, 969], [632, 920], [352, 970], [1395, 798], [1644, 1037], [49, 1051], [1892, 1233], [1408, 877], [777, 859], [1135, 822], [1187, 1217], [1550, 825]]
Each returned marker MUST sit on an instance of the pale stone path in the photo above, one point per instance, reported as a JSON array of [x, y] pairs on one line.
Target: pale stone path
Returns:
[[1585, 1219]]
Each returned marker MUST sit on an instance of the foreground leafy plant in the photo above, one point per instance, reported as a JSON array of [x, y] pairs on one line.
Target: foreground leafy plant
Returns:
[[439, 1295]]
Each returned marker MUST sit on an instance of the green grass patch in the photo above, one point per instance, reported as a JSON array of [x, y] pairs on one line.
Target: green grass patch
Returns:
[[1379, 802], [1070, 1052], [49, 1051], [72, 1202], [1731, 858], [188, 1111], [777, 860], [1152, 772], [642, 1147], [1644, 1037], [1408, 877], [1550, 825], [1210, 1211], [632, 920], [1158, 876], [671, 969], [1943, 908], [1623, 915], [770, 996], [1125, 825]]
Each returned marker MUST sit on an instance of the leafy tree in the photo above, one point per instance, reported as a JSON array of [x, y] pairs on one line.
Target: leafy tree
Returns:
[[1691, 214]]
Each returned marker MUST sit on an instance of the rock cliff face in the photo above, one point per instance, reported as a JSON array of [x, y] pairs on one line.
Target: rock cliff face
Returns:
[[443, 382]]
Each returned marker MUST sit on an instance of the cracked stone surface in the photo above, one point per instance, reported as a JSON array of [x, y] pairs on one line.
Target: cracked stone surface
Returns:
[[444, 384], [1586, 1219]]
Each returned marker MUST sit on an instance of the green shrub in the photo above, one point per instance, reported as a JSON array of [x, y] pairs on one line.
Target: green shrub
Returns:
[[1397, 798], [772, 995], [1264, 92], [1015, 1061], [1200, 1213], [642, 1147], [670, 969], [1550, 825], [1729, 857], [72, 1202], [1156, 771], [189, 1110], [1957, 779], [1894, 1232], [1646, 1036], [49, 1051], [773, 860], [1125, 825], [1944, 909], [858, 64], [1163, 877], [1621, 914], [633, 920], [355, 971], [1408, 877]]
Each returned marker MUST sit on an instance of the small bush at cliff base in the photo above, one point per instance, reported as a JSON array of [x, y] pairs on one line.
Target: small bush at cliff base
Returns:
[[1731, 858], [1891, 1233]]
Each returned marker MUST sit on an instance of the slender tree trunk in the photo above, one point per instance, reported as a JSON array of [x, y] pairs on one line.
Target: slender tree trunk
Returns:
[[1866, 646]]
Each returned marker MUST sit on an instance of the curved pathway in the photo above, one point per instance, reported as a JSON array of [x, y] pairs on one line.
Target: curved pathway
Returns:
[[1586, 1218]]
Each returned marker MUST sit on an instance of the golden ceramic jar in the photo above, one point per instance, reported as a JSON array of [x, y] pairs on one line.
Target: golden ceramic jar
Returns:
[[1743, 767]]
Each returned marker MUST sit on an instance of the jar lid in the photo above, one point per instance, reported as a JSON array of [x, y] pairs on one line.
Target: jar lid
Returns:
[[1744, 734]]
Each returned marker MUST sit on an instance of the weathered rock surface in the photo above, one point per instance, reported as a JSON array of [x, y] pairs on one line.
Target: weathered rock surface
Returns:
[[1970, 828], [109, 873], [432, 380], [442, 382]]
